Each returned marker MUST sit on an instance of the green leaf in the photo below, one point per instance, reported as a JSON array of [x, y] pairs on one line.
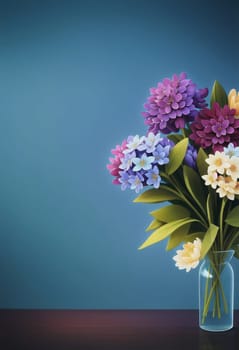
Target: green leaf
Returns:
[[192, 236], [175, 137], [236, 254], [170, 213], [211, 205], [177, 237], [153, 225], [165, 231], [233, 217], [182, 236], [209, 239], [201, 162], [153, 195], [218, 95], [195, 186], [176, 156]]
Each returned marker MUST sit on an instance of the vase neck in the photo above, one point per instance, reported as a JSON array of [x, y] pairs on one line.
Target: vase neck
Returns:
[[220, 257]]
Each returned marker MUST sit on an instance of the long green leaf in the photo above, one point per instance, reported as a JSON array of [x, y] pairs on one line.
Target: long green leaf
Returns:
[[177, 237], [233, 217], [192, 236], [175, 137], [170, 213], [161, 194], [236, 254], [176, 156], [218, 95], [165, 231], [194, 186], [153, 225], [201, 162], [211, 205], [209, 239]]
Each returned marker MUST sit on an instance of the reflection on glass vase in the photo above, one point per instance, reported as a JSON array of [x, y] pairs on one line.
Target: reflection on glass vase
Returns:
[[216, 292]]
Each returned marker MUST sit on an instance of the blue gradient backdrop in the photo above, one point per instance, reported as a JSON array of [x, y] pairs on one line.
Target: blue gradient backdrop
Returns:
[[73, 78]]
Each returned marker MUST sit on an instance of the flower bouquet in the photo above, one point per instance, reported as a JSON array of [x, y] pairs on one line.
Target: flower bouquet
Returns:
[[189, 161]]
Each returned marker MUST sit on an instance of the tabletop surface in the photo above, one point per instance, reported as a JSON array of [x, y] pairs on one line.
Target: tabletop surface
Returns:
[[110, 329]]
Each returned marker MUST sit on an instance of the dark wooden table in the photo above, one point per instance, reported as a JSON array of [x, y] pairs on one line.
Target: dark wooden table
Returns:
[[116, 330]]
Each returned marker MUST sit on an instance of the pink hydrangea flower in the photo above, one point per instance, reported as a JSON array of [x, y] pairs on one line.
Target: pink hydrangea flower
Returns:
[[114, 166]]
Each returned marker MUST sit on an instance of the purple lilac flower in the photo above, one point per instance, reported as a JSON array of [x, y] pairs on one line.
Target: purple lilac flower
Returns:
[[139, 159], [151, 141], [133, 143], [153, 177], [231, 150], [191, 157], [143, 162], [215, 128], [172, 104], [166, 142], [136, 182], [161, 154], [124, 180], [127, 160], [199, 98]]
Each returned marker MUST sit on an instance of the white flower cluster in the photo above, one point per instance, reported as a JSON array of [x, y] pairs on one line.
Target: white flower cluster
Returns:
[[223, 172]]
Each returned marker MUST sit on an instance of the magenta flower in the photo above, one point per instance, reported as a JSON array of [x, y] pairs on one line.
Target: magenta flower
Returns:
[[215, 128], [172, 104], [114, 167]]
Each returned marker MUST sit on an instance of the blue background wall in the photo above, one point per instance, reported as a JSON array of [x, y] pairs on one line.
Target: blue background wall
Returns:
[[73, 78]]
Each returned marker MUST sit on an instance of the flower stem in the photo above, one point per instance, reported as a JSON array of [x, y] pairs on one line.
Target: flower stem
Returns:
[[182, 196], [216, 290], [206, 295], [221, 217]]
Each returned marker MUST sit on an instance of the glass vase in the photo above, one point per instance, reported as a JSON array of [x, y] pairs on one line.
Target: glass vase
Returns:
[[216, 292]]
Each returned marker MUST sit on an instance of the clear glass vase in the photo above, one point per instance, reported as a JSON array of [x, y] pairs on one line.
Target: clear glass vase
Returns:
[[216, 292]]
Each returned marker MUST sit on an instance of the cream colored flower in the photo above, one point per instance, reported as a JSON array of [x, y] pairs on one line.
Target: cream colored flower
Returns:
[[211, 179], [188, 258], [236, 188], [227, 187], [218, 162], [233, 170], [233, 101]]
